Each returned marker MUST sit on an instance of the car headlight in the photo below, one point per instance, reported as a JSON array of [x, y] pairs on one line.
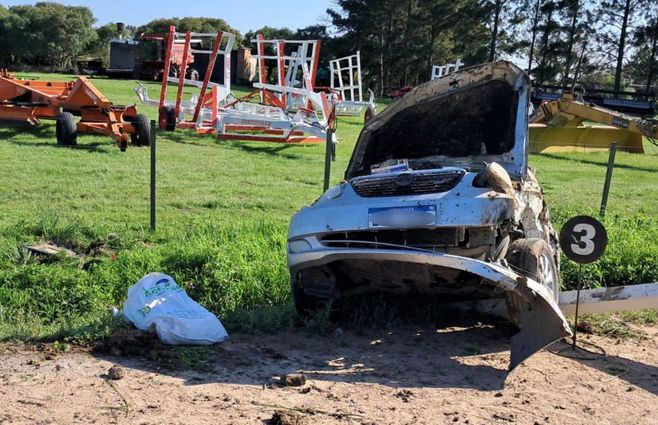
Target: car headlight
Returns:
[[299, 245], [334, 192]]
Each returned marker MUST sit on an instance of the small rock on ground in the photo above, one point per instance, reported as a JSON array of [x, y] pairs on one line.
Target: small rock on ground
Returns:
[[281, 417], [116, 372], [294, 380]]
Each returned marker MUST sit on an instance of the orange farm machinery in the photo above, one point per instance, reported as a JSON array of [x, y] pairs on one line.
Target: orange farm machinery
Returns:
[[30, 101]]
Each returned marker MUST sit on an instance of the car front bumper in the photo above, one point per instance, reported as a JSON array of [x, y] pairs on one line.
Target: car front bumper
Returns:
[[540, 319]]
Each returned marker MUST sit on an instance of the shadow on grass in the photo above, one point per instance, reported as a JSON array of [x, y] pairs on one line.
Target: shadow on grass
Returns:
[[206, 140], [11, 129], [12, 132], [598, 163], [278, 150], [89, 147], [187, 137]]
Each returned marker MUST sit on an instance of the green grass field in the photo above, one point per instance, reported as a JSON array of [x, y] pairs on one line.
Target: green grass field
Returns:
[[223, 211]]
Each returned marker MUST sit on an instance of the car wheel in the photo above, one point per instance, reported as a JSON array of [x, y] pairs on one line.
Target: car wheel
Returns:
[[142, 134], [66, 129], [533, 257], [306, 304]]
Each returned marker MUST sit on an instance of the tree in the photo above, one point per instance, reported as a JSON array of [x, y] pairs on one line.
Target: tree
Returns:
[[161, 26], [269, 33], [400, 40], [549, 43], [497, 9], [646, 39], [616, 17], [5, 20], [99, 46], [47, 33], [571, 11], [534, 27]]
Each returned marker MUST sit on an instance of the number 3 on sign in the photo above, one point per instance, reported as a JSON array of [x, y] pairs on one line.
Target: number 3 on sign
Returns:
[[583, 239], [585, 245]]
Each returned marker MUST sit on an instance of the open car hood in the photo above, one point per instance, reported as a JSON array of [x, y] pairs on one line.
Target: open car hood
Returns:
[[478, 114]]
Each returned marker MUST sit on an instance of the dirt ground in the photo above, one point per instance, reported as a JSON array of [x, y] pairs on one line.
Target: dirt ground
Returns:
[[456, 374]]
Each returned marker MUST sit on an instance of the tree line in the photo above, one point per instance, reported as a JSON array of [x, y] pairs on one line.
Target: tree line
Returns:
[[609, 42], [613, 43]]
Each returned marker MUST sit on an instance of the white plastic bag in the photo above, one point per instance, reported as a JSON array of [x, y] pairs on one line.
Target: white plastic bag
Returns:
[[157, 301]]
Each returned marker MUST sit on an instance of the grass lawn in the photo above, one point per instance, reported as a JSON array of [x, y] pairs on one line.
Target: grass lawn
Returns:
[[223, 211]]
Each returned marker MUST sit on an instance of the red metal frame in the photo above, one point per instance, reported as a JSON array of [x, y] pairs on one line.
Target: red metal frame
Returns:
[[167, 66], [209, 70], [182, 71], [208, 101], [205, 98]]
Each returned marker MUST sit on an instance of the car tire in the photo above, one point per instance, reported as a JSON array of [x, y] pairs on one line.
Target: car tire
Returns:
[[167, 118], [66, 129], [533, 257], [306, 305], [142, 134]]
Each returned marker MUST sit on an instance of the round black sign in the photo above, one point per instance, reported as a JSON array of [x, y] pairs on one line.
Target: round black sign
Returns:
[[583, 239]]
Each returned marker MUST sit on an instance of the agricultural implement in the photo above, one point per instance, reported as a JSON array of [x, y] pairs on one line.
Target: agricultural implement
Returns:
[[32, 100], [288, 111], [439, 71], [560, 126], [201, 110], [346, 84]]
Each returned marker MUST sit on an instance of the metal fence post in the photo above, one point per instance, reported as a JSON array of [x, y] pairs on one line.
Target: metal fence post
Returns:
[[608, 179], [153, 151], [328, 156]]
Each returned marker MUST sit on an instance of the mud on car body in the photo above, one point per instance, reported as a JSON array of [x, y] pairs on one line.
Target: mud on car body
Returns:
[[438, 199]]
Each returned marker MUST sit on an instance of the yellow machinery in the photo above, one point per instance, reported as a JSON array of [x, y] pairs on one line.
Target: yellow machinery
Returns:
[[558, 126]]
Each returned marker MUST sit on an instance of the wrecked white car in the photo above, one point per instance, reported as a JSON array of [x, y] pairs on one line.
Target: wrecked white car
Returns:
[[438, 199]]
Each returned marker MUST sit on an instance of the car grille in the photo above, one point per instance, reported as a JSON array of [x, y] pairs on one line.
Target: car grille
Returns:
[[406, 183], [416, 238]]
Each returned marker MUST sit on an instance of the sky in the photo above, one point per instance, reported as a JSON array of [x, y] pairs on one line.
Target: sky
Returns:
[[244, 15]]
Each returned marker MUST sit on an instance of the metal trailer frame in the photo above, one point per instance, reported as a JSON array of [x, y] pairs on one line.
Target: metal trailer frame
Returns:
[[204, 107], [439, 71], [350, 94], [33, 100], [289, 111]]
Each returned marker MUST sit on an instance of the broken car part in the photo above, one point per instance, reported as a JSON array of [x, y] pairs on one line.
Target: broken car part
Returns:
[[438, 199]]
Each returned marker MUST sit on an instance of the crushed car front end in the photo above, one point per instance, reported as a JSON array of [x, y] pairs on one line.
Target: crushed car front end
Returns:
[[438, 199]]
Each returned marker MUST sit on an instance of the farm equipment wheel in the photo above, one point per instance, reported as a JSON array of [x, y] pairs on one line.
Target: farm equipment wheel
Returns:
[[533, 258], [167, 118], [193, 74], [142, 134], [66, 129]]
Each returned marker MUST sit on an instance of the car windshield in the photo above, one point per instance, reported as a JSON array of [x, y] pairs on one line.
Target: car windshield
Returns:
[[467, 122]]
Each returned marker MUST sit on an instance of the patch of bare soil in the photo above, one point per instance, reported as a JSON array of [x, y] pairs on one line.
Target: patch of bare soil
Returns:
[[453, 375]]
